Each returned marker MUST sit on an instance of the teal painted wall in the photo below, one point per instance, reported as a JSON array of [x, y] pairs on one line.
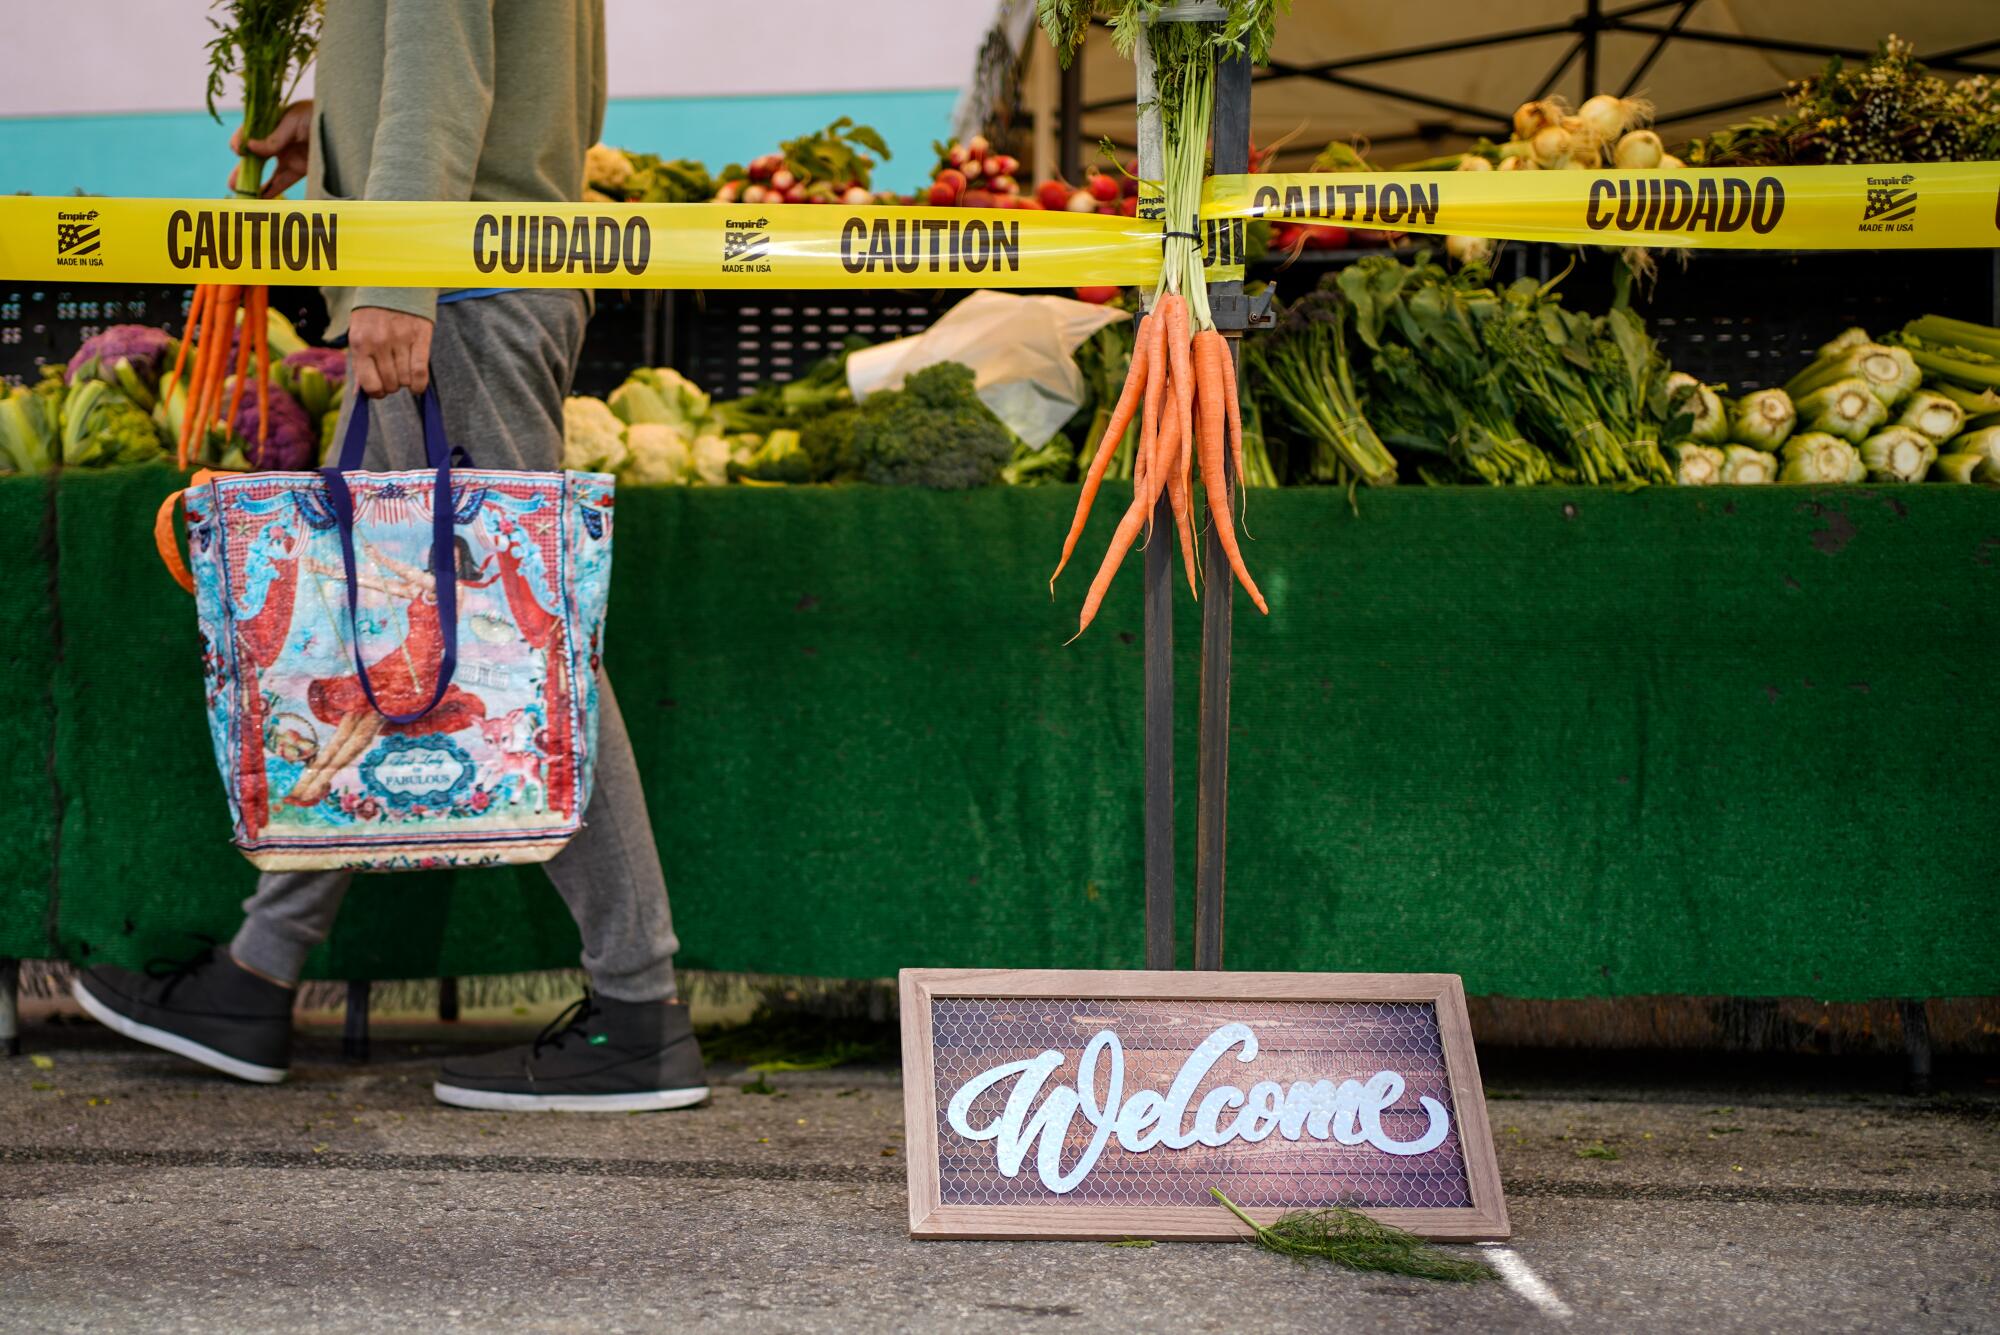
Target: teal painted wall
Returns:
[[185, 154]]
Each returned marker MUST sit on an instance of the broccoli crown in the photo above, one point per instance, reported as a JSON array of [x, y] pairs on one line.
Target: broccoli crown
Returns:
[[829, 442], [934, 432]]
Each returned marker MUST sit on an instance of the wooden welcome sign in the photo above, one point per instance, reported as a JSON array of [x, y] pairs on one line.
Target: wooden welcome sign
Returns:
[[1105, 1104]]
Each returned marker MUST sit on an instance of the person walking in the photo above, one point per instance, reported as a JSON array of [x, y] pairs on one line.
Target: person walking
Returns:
[[455, 100]]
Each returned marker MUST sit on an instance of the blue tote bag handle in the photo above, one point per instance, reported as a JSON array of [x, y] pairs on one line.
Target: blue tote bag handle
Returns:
[[438, 454]]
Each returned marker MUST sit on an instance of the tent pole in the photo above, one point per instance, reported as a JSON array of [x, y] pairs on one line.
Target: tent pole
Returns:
[[1159, 605], [1232, 156]]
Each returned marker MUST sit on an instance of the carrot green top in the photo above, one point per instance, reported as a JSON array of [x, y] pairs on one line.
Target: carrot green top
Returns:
[[453, 100]]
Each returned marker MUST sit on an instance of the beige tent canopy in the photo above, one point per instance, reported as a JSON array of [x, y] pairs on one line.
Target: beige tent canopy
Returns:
[[1409, 79]]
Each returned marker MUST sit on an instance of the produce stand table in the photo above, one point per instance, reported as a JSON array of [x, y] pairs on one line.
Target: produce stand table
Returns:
[[1563, 742]]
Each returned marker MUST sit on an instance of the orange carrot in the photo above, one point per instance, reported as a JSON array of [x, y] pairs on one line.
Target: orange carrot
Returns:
[[1235, 407], [1129, 399], [261, 330], [1145, 498], [198, 372], [244, 347], [195, 308], [1176, 310], [1209, 351], [198, 311], [218, 333]]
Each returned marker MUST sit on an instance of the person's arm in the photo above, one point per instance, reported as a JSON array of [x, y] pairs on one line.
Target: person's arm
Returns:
[[437, 96]]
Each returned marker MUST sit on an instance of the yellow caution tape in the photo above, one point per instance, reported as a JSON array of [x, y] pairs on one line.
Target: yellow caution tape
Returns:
[[1907, 206], [382, 244]]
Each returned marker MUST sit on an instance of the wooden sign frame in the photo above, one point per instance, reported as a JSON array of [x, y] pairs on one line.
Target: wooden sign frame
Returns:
[[931, 1217]]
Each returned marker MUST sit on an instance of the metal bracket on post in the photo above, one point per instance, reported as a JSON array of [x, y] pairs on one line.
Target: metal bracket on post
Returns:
[[1232, 315]]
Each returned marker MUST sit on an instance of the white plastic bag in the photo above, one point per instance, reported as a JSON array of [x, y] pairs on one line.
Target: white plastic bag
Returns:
[[1019, 349]]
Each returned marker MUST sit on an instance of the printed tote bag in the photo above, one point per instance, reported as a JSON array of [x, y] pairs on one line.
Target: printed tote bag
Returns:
[[401, 667]]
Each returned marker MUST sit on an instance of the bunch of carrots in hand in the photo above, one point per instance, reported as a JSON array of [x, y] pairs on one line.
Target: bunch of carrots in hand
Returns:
[[268, 43], [1183, 378]]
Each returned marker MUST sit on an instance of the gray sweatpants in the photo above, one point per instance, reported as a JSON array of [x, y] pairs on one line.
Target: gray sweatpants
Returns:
[[502, 365]]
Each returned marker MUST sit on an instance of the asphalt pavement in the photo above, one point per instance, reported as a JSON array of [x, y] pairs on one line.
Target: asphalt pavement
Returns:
[[139, 1193]]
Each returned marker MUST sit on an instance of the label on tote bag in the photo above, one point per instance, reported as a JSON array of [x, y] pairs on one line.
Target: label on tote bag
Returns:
[[321, 775]]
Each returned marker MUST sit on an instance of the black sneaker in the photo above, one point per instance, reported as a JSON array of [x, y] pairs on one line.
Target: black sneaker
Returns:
[[209, 1008], [599, 1055]]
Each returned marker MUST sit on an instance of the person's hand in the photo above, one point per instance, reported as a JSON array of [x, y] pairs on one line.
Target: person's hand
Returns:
[[290, 143], [388, 350]]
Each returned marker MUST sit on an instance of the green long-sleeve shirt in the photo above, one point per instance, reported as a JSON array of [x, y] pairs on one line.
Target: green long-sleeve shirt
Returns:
[[452, 100]]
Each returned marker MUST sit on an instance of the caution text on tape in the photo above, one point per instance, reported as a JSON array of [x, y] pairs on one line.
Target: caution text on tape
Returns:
[[1913, 206]]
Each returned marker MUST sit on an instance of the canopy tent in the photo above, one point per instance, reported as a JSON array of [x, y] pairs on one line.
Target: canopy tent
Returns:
[[1409, 81]]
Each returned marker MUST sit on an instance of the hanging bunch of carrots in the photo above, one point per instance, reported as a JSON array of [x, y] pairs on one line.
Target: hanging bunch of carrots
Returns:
[[226, 344], [1182, 384]]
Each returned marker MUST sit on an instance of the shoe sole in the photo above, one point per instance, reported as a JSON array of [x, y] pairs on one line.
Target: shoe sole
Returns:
[[174, 1043], [493, 1100]]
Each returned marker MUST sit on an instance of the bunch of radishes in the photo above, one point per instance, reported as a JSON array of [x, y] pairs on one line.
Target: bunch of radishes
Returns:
[[972, 175], [829, 166], [770, 180]]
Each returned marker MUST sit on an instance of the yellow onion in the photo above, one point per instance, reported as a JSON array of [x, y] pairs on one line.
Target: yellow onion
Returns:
[[1469, 249], [1640, 150], [1530, 118], [1671, 163], [1551, 146], [1513, 164], [1605, 117]]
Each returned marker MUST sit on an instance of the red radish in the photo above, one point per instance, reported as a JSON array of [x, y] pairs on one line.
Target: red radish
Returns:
[[1130, 184], [1097, 295], [1027, 202], [728, 192], [978, 146], [977, 199], [1104, 186], [755, 194], [1129, 206], [1109, 210], [948, 186], [1052, 194], [782, 179], [794, 194], [855, 194], [1003, 185], [1003, 164], [761, 168], [1082, 202], [957, 155], [975, 168]]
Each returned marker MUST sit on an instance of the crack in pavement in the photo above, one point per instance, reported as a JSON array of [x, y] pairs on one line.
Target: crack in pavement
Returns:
[[724, 1170]]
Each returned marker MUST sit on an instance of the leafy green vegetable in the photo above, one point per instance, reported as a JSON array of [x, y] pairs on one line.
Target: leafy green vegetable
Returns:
[[933, 432], [270, 43], [101, 426], [780, 458]]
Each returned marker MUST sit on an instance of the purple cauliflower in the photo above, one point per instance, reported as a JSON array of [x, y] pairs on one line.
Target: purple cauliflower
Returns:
[[292, 442], [129, 357]]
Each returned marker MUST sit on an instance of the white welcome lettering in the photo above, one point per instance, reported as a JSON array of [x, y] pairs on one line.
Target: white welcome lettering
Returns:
[[1350, 1112]]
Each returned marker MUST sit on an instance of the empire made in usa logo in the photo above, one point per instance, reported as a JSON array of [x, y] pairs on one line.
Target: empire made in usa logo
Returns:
[[1891, 205], [78, 238], [746, 245]]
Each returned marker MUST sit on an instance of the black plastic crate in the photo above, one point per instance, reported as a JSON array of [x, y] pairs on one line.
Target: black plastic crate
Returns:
[[45, 322], [730, 342]]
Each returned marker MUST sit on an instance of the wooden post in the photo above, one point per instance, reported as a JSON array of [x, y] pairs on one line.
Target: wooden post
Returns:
[[1211, 830], [1159, 610]]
